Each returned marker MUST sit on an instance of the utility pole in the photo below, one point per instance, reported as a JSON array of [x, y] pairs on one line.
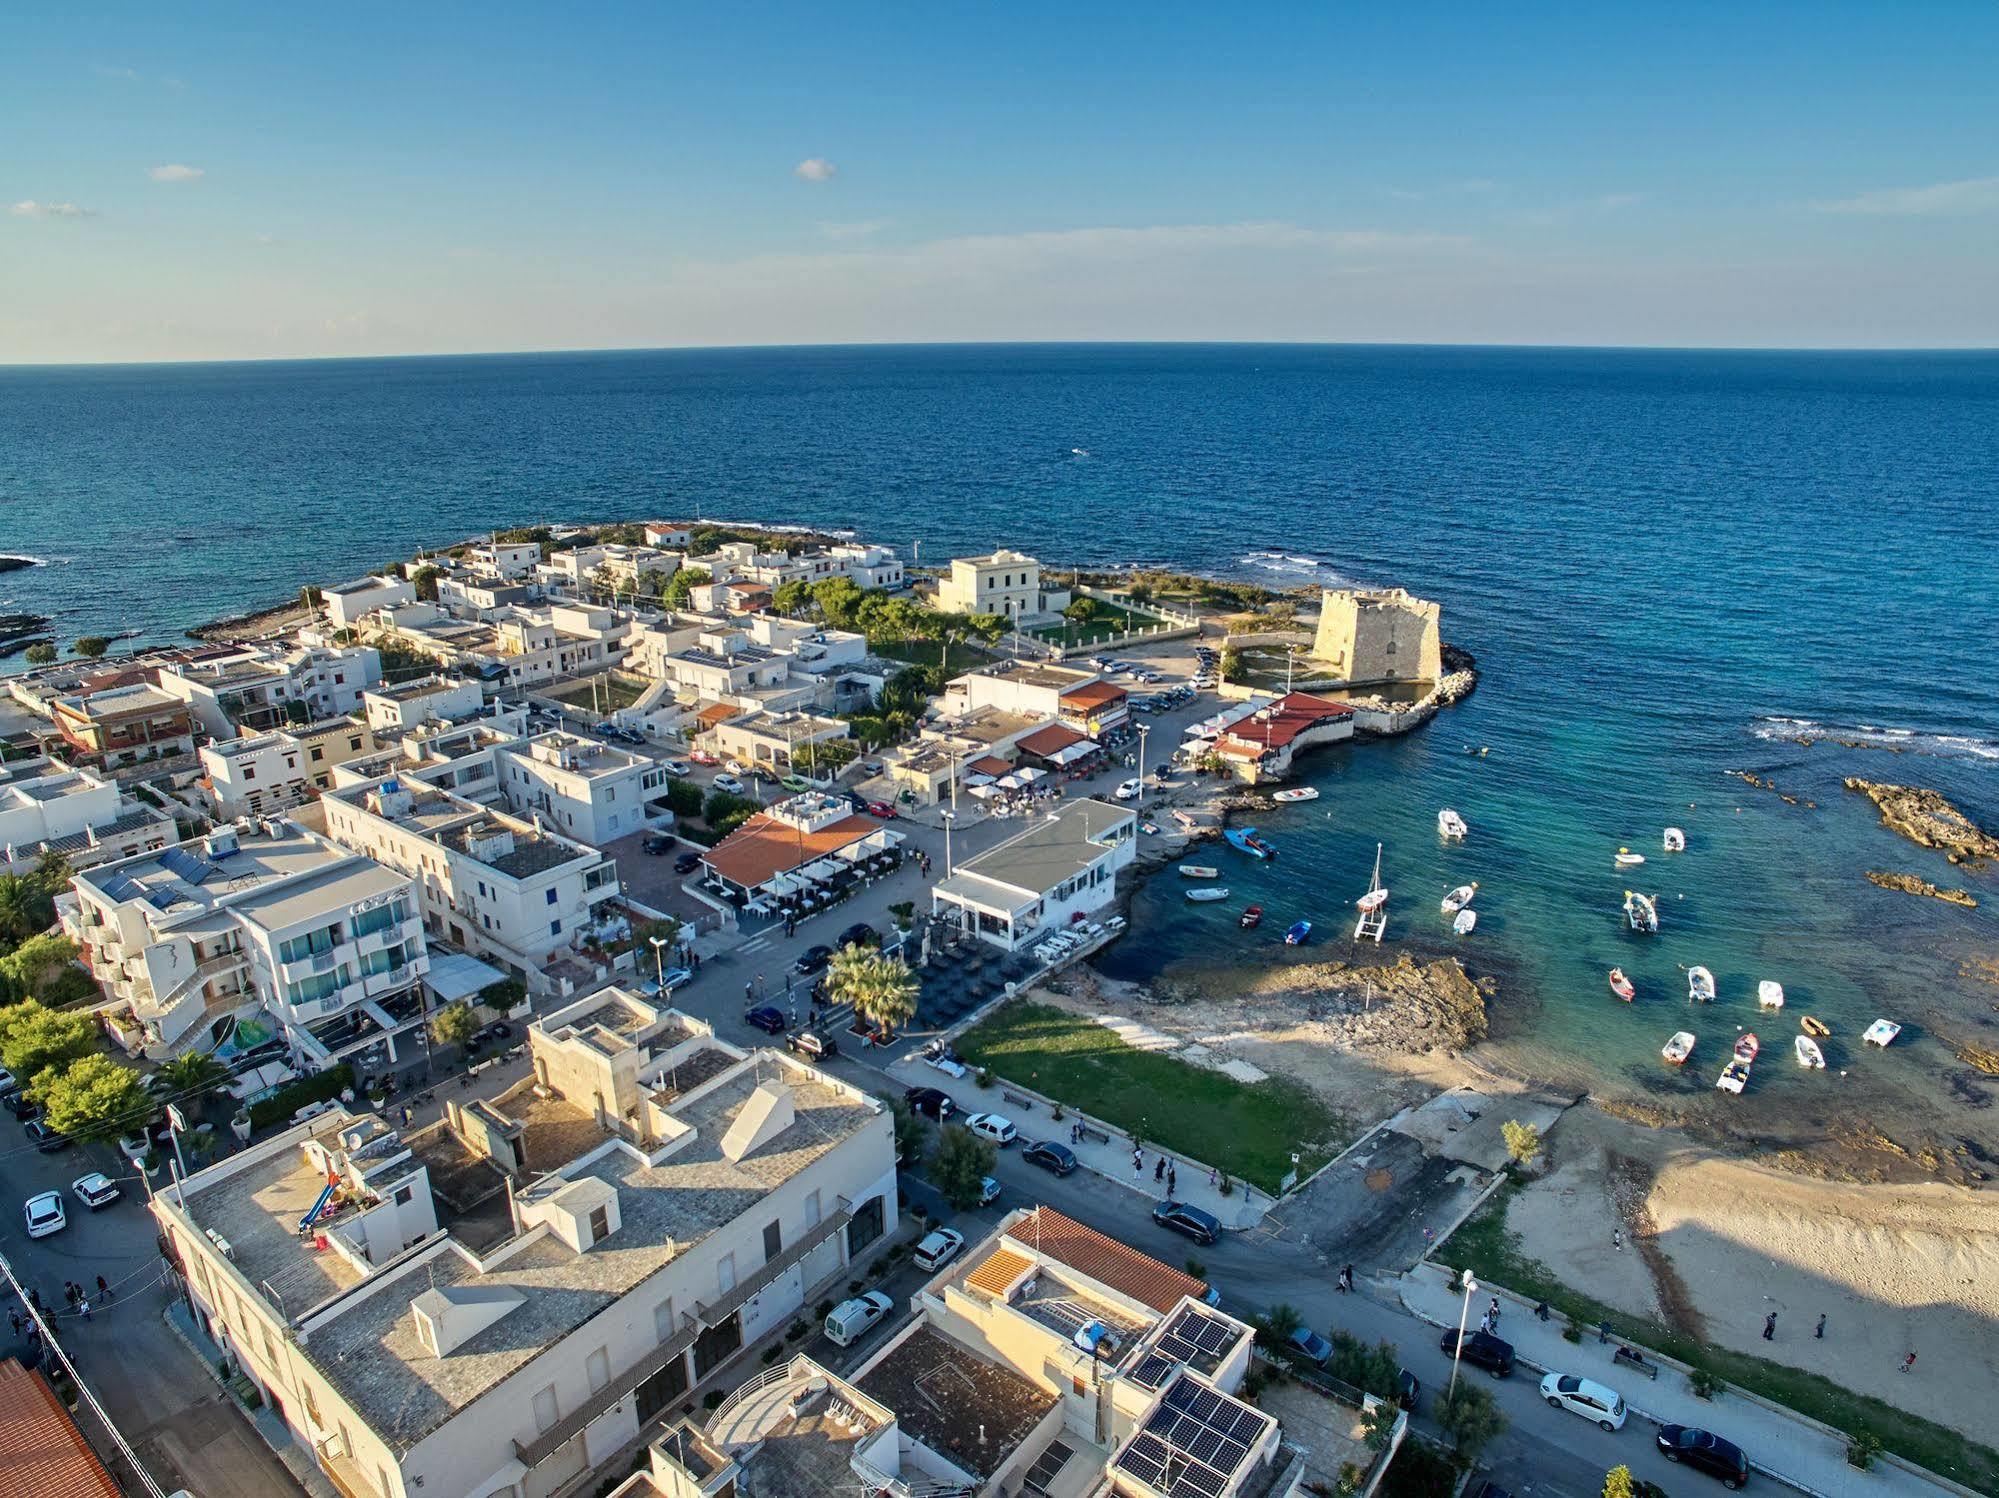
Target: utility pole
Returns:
[[1464, 1315]]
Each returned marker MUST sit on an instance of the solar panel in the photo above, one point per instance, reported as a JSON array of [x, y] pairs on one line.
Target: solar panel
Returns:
[[122, 887], [1151, 1370], [188, 866], [1247, 1425], [159, 899]]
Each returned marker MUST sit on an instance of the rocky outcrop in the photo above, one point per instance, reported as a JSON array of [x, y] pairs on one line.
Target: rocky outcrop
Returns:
[[1909, 884], [1406, 1005], [1925, 817], [16, 564]]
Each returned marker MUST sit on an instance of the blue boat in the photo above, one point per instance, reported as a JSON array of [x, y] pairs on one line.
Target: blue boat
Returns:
[[1244, 839], [1299, 934]]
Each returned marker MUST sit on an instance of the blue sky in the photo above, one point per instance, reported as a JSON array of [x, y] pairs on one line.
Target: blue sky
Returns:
[[210, 182]]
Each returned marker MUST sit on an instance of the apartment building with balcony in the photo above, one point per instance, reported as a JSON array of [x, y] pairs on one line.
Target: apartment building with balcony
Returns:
[[252, 687], [425, 699], [587, 790], [265, 773], [505, 559], [81, 815], [125, 725], [504, 888], [346, 602], [503, 1303], [264, 918]]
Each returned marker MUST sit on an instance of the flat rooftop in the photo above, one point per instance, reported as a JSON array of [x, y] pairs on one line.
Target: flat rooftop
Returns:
[[257, 1209], [944, 1394], [326, 893], [183, 881], [1052, 849]]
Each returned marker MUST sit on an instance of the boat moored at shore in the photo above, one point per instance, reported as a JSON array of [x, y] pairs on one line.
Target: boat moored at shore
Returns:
[[1678, 1048], [1299, 933], [1205, 896], [1252, 917], [1199, 871], [1622, 986], [1700, 986], [1641, 912], [1245, 840], [1466, 919], [1451, 826], [1675, 840], [1626, 858], [1297, 793], [1810, 1056], [1769, 994], [1882, 1033], [1459, 898]]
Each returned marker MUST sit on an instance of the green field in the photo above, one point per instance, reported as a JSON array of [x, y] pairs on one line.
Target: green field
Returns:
[[610, 692], [1247, 1131], [1112, 622], [1484, 1246], [963, 655]]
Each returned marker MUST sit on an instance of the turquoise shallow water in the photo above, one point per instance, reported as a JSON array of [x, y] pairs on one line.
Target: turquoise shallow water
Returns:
[[1665, 563]]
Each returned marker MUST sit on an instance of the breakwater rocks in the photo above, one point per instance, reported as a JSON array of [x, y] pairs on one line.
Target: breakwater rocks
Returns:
[[19, 631], [17, 564], [1925, 817], [1909, 884], [1406, 1005]]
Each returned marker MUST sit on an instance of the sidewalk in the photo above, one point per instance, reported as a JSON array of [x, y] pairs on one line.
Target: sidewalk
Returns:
[[1784, 1445]]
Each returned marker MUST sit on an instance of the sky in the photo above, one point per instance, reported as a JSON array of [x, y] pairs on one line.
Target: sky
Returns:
[[216, 182]]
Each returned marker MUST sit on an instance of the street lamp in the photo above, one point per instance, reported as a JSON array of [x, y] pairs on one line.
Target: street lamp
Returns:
[[1464, 1315], [1143, 730], [659, 962], [950, 817]]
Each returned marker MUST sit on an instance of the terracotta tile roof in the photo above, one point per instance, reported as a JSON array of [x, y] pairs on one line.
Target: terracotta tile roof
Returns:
[[1094, 694], [763, 846], [716, 712], [1050, 740], [990, 764], [41, 1450], [1105, 1260], [997, 1275], [1288, 717]]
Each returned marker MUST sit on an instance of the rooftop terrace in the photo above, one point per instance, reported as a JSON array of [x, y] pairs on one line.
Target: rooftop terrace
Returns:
[[970, 1411]]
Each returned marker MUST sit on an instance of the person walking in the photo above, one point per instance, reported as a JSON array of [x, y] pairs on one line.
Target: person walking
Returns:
[[406, 1115], [749, 992], [103, 1290], [1770, 1327], [69, 1292], [1159, 1169], [83, 1306], [1617, 1238], [1492, 1314], [1214, 1177], [1819, 1330], [1908, 1362], [1173, 1180]]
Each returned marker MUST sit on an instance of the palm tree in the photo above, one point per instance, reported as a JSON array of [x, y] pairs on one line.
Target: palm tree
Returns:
[[22, 908], [881, 989], [190, 1077]]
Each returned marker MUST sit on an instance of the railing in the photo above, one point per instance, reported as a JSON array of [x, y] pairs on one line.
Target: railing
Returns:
[[776, 1374]]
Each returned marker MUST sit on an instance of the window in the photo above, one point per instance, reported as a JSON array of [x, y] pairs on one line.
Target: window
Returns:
[[773, 1241], [812, 1210], [598, 1366], [600, 1224], [545, 1414], [318, 753], [551, 897], [662, 1320], [354, 744], [555, 928], [404, 1195], [249, 772], [868, 1224], [725, 1272]]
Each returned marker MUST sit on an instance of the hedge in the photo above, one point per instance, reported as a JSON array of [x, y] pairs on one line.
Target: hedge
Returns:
[[288, 1099]]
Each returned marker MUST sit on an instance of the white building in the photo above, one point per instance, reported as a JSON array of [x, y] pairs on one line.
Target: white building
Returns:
[[1043, 877], [427, 699], [1005, 582], [270, 919], [258, 687], [345, 603], [78, 814], [261, 774], [505, 559], [498, 1305], [586, 790]]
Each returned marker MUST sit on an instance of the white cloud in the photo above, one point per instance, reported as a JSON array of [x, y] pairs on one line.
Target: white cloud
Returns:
[[1973, 195], [814, 169], [173, 171], [29, 208], [862, 229], [1620, 199]]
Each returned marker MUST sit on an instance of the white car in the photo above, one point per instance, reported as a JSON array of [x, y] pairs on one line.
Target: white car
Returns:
[[676, 767], [1585, 1397], [850, 1319], [94, 1190], [729, 784], [1128, 790], [44, 1214], [735, 767], [938, 1249], [989, 1191], [993, 1126]]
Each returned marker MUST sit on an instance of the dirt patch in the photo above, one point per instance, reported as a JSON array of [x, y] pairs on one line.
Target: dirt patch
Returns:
[[1377, 1180]]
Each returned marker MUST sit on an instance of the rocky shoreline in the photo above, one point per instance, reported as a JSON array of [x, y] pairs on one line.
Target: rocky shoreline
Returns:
[[1909, 884], [1924, 817]]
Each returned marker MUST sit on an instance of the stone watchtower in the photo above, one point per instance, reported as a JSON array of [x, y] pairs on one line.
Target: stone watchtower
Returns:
[[1378, 636]]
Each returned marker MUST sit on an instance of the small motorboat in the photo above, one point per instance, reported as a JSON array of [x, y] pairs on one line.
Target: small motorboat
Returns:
[[1700, 986], [1203, 896], [1734, 1077], [1678, 1048], [1245, 840], [1641, 912], [1199, 871], [1882, 1033], [1622, 986], [1810, 1057], [1746, 1047], [1675, 840], [1150, 829], [1298, 934], [1251, 917], [1459, 898], [1770, 994], [1465, 920], [1451, 826], [1626, 858], [1297, 793], [1814, 1026]]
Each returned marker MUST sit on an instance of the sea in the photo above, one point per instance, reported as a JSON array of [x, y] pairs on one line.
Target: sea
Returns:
[[1672, 568]]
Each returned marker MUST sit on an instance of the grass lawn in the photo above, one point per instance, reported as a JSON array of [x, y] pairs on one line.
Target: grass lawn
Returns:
[[1112, 621], [1484, 1246], [964, 655], [611, 692], [1244, 1130]]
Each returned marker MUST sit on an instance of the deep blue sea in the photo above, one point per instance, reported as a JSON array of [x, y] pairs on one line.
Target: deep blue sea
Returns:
[[1669, 564]]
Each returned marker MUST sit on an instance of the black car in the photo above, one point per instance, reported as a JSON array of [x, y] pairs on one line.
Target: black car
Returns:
[[1408, 1389], [1189, 1221], [1050, 1156], [687, 863], [1704, 1451], [46, 1139], [813, 959], [656, 844], [1483, 1350], [860, 934], [929, 1102], [811, 1043], [22, 1106], [768, 1019]]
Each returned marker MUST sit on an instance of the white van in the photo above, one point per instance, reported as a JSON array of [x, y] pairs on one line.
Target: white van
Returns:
[[849, 1321]]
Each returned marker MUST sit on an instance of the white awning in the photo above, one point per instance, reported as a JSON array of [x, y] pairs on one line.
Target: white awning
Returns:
[[1030, 773], [981, 791], [976, 777], [454, 976], [824, 868], [1012, 782]]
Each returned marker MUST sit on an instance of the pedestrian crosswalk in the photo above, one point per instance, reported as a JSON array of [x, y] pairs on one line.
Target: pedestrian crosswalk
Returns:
[[756, 944]]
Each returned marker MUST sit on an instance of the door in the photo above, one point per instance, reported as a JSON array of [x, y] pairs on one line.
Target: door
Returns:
[[665, 1386]]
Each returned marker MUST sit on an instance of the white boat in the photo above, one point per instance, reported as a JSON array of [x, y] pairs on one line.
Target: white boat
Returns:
[[1882, 1033], [1199, 871], [1204, 895], [1700, 986], [1809, 1055], [1770, 994], [1675, 840], [1451, 825], [1297, 793], [1734, 1077], [1374, 899], [1640, 912], [1679, 1047], [1466, 919], [1373, 906], [1626, 858], [1459, 898]]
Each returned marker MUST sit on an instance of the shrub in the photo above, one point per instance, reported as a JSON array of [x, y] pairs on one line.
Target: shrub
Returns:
[[1523, 1141], [291, 1097], [1703, 1383], [824, 1308], [1861, 1449], [1196, 1268], [712, 1398], [985, 1077], [854, 1287], [1572, 1333], [772, 1353]]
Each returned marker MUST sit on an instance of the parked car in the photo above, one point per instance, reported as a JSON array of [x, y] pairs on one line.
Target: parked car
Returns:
[[811, 1044], [1481, 1350], [813, 960], [656, 843], [702, 757], [1309, 1345], [769, 1018], [8, 1081], [763, 777], [847, 1322], [795, 783], [22, 1106], [44, 1214], [735, 766], [989, 1190], [676, 767], [1585, 1397], [687, 863], [1190, 1221], [728, 785], [46, 1139], [860, 934], [938, 1248], [1128, 790], [94, 1191], [1050, 1156], [992, 1126], [1705, 1451], [1408, 1390], [929, 1102], [881, 809], [674, 978]]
